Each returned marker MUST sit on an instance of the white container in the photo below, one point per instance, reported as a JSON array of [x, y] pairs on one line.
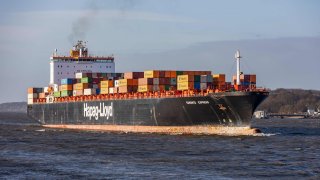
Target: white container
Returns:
[[45, 89], [33, 96], [74, 93], [49, 99], [55, 87], [116, 83], [31, 100], [89, 91], [203, 86], [80, 75]]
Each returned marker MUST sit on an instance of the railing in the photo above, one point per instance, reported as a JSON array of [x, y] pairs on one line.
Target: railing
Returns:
[[139, 95]]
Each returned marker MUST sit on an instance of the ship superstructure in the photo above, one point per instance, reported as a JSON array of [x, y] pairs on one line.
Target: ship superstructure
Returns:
[[79, 60]]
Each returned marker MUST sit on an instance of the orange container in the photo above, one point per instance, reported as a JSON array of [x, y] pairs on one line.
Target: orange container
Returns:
[[134, 82], [167, 74], [253, 78], [173, 74], [31, 91], [66, 87], [42, 95], [219, 77]]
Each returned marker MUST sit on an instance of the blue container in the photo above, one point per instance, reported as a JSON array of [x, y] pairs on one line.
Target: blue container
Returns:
[[39, 90], [197, 85], [246, 83], [97, 91], [66, 81]]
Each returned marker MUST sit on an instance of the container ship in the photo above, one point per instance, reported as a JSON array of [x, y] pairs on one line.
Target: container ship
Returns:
[[85, 92]]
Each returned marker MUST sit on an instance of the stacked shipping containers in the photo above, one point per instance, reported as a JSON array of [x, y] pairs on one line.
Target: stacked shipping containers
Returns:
[[245, 79], [131, 82], [33, 94], [206, 82], [219, 81]]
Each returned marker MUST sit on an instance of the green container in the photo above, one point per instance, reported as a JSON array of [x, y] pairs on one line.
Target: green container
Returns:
[[179, 73], [167, 87], [197, 78], [56, 94], [86, 80], [104, 75], [66, 93]]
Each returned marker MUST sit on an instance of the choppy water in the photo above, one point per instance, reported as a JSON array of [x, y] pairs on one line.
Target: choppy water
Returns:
[[288, 149]]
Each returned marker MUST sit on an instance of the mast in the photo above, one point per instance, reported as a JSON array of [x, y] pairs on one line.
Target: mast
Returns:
[[237, 56]]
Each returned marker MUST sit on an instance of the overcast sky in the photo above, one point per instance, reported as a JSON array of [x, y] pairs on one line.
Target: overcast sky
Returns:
[[279, 40]]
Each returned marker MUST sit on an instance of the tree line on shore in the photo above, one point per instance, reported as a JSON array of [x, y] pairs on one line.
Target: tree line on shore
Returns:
[[291, 101]]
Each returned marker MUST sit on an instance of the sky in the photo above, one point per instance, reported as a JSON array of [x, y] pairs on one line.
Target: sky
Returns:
[[279, 40]]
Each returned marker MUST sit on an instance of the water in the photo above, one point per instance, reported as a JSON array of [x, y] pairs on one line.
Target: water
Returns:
[[288, 149]]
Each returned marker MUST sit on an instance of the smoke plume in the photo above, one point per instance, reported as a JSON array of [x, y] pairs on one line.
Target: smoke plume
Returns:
[[82, 25]]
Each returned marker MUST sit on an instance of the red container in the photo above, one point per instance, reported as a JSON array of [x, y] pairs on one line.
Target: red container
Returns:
[[164, 81], [133, 75]]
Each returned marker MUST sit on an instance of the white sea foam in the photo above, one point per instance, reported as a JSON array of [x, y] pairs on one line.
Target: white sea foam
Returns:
[[41, 130]]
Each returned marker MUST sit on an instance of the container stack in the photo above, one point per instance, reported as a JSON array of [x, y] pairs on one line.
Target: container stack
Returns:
[[33, 94], [219, 81], [126, 85], [66, 87], [245, 79], [105, 85], [206, 81], [188, 82], [87, 84]]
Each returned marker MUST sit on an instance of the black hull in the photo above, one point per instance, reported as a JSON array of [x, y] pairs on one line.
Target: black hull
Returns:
[[227, 109]]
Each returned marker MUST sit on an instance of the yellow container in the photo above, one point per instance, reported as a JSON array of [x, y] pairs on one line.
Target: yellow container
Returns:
[[185, 78], [106, 84], [104, 90], [80, 86], [145, 88], [185, 85], [66, 87], [151, 74]]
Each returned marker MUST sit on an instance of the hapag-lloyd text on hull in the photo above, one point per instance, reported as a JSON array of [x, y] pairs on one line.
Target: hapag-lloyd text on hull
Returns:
[[97, 111]]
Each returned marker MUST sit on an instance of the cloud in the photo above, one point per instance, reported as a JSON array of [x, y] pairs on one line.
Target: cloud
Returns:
[[102, 14]]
